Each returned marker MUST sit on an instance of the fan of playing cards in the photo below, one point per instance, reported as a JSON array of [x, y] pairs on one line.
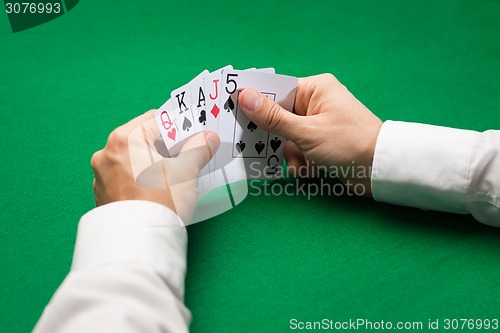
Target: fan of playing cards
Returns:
[[210, 102]]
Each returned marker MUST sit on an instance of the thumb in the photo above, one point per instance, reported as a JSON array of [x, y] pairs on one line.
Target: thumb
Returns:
[[180, 172], [199, 149], [270, 115]]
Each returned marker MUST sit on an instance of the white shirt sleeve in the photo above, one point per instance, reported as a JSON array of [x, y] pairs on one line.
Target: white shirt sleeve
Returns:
[[438, 168], [127, 273]]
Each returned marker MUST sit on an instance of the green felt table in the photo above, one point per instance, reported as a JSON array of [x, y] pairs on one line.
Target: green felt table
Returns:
[[67, 83]]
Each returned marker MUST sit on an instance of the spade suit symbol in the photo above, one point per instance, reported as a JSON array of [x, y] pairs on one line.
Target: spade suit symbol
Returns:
[[203, 117], [251, 126], [229, 105], [259, 147], [275, 144], [186, 125], [240, 146]]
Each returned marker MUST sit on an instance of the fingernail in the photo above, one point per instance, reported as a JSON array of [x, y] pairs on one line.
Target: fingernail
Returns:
[[251, 100], [213, 141]]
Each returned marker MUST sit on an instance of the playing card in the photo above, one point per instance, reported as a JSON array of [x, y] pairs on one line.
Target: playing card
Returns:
[[169, 131], [198, 99], [177, 115], [184, 106], [165, 121], [266, 70], [261, 151], [232, 171], [212, 87], [210, 102]]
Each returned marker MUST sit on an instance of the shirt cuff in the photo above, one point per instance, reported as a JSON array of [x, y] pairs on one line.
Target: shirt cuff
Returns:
[[133, 232], [422, 166]]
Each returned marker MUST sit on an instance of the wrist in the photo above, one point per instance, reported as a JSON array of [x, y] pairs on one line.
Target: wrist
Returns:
[[366, 154]]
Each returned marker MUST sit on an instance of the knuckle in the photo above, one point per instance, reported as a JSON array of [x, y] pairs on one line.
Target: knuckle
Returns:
[[327, 82], [118, 137], [329, 78], [273, 117], [95, 159]]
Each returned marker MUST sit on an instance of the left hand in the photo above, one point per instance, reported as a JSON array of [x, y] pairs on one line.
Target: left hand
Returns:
[[130, 152]]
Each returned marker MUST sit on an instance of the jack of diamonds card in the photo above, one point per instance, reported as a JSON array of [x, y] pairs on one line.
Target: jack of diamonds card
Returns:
[[212, 88]]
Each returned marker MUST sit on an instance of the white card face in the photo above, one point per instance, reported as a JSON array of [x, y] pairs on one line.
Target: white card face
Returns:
[[173, 143], [248, 139], [228, 170], [228, 103], [165, 121], [185, 122], [212, 85], [186, 119], [181, 114], [198, 99], [184, 103], [267, 70], [171, 127], [261, 151]]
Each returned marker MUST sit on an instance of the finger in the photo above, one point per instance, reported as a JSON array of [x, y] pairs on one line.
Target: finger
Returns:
[[270, 115], [311, 89], [298, 165], [294, 158], [305, 89], [184, 168]]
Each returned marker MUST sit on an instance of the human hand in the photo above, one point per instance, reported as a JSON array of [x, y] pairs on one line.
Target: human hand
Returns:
[[131, 168], [330, 128]]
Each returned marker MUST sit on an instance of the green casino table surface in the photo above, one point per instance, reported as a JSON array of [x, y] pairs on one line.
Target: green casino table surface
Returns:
[[67, 83]]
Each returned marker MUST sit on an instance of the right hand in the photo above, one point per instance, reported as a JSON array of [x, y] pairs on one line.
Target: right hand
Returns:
[[330, 127]]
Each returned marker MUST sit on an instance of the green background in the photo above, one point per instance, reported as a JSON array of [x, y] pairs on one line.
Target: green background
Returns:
[[66, 84]]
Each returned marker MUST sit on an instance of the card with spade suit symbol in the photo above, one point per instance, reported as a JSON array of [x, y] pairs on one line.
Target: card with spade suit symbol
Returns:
[[183, 104], [210, 102], [178, 111], [218, 121], [261, 151]]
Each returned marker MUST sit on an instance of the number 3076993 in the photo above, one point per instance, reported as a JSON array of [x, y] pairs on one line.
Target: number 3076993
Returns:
[[32, 8]]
